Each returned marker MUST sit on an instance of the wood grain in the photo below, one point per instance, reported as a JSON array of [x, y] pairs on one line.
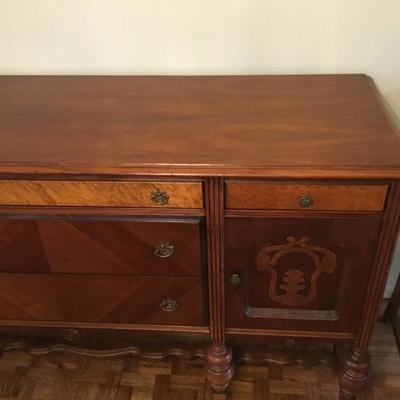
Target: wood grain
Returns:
[[99, 298], [98, 193], [291, 125], [215, 253], [78, 152], [122, 246], [219, 357], [286, 196], [353, 239]]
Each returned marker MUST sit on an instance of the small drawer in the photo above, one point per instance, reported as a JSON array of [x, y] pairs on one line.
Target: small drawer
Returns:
[[101, 194], [101, 299], [293, 196], [107, 245]]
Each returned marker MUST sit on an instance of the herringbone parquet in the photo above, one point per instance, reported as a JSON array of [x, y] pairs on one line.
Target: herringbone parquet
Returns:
[[66, 376]]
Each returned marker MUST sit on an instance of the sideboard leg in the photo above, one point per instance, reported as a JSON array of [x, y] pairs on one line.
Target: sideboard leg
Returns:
[[353, 376], [220, 368]]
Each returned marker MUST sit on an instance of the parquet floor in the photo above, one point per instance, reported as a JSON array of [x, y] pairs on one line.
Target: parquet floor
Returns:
[[66, 376]]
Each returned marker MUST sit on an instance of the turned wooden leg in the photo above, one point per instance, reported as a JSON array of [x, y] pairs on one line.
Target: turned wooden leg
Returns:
[[353, 376], [220, 368]]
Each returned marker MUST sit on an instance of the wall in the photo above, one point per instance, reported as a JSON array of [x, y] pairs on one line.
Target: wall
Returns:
[[205, 37]]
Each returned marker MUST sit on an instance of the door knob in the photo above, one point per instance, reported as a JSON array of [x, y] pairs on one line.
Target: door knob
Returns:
[[235, 280]]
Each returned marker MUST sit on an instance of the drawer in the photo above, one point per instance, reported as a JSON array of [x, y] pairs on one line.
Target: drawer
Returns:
[[129, 246], [101, 298], [101, 194], [293, 196], [299, 274]]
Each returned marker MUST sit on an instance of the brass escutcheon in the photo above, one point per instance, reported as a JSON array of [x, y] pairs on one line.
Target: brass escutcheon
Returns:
[[164, 250], [70, 335], [169, 304], [305, 201], [159, 197]]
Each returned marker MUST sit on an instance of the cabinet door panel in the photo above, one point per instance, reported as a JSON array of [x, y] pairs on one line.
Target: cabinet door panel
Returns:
[[299, 273]]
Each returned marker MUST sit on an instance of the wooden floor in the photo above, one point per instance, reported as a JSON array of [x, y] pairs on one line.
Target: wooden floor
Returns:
[[67, 376]]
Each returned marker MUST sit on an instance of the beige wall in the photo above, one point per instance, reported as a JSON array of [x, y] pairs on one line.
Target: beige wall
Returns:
[[204, 37]]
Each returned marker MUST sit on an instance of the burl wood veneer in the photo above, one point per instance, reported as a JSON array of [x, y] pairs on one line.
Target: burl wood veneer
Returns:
[[100, 193], [235, 207], [285, 196]]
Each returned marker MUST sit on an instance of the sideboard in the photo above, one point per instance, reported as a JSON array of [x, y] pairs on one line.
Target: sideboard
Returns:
[[236, 206]]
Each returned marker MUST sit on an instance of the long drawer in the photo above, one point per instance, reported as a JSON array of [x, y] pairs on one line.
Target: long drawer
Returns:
[[101, 193], [101, 298], [80, 245], [293, 196]]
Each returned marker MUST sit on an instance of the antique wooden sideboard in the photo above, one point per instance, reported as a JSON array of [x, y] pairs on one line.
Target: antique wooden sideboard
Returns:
[[251, 206]]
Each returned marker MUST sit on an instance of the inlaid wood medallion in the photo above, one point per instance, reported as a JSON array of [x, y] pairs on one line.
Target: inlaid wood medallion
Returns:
[[296, 290]]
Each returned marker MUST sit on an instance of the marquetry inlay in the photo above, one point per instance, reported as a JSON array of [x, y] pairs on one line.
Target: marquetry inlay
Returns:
[[293, 284]]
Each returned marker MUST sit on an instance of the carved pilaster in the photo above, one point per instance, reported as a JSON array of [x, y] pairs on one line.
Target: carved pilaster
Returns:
[[380, 272], [219, 358]]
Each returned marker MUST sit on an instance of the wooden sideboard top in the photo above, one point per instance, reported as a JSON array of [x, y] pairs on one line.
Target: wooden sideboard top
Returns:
[[304, 126]]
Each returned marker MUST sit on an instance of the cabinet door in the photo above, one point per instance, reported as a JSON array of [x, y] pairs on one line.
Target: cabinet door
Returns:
[[299, 274]]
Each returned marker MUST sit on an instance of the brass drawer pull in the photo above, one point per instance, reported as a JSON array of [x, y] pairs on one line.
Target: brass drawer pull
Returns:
[[70, 335], [164, 250], [169, 305], [235, 280], [305, 201], [159, 197]]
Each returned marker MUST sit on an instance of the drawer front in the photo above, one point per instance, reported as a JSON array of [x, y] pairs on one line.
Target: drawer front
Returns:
[[300, 274], [170, 247], [101, 298], [101, 194], [290, 196]]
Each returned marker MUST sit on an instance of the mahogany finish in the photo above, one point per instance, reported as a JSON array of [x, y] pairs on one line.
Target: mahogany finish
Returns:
[[299, 274], [119, 246], [252, 206], [99, 298], [220, 368], [257, 125]]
